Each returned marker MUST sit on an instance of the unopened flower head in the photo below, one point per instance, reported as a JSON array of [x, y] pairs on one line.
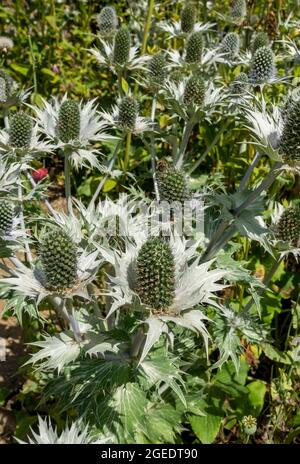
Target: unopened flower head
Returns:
[[157, 70], [238, 10], [249, 425], [58, 255], [240, 84], [262, 66], [6, 44], [260, 39], [20, 130], [107, 20], [172, 183], [194, 92], [68, 126], [194, 48], [7, 214], [230, 45], [288, 227], [128, 111], [290, 139], [188, 18], [122, 44]]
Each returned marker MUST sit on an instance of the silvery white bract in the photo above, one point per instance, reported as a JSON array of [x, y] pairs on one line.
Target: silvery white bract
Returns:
[[209, 57], [92, 130], [76, 434], [195, 285], [105, 57], [173, 28], [10, 175]]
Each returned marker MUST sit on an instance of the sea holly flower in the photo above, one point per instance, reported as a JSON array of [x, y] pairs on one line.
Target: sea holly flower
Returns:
[[21, 141], [262, 70], [124, 116], [172, 184], [120, 54], [9, 221], [9, 93], [62, 269], [73, 127], [188, 18], [204, 102], [230, 45], [107, 21], [162, 279], [260, 39], [285, 228], [157, 71], [238, 10], [187, 25], [290, 138]]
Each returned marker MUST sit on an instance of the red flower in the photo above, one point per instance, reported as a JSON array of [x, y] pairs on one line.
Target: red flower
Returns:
[[39, 174]]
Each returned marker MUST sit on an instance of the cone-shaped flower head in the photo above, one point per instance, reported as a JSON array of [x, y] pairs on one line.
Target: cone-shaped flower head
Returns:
[[231, 44], [155, 274], [188, 18], [7, 214], [194, 91], [157, 69], [107, 20], [172, 184], [58, 255], [262, 68], [260, 39], [68, 121], [238, 9], [288, 226], [3, 94], [290, 138], [122, 44], [194, 48], [128, 111], [20, 130], [249, 425], [240, 84]]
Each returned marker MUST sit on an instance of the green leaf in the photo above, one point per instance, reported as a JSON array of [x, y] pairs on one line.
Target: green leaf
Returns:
[[275, 355], [257, 391], [125, 86], [205, 428], [20, 69]]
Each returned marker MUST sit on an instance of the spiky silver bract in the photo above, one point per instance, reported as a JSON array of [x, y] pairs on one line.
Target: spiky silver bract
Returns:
[[155, 271], [107, 20], [194, 48], [259, 40], [288, 226], [68, 126], [121, 48], [188, 18], [262, 66], [230, 45], [58, 255], [290, 138], [194, 92], [20, 130], [7, 214]]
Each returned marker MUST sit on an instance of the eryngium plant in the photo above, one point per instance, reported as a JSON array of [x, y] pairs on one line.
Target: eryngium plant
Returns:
[[20, 130], [188, 18], [58, 255], [239, 84], [7, 214], [194, 91], [107, 20], [238, 10], [262, 67], [260, 39], [230, 45], [68, 121], [288, 226], [128, 111], [155, 282], [172, 184], [121, 49], [290, 139], [194, 48]]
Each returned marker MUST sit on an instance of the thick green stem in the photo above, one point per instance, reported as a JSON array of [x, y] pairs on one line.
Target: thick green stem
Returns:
[[249, 171], [127, 151], [152, 152], [185, 139], [22, 223], [147, 26], [67, 172]]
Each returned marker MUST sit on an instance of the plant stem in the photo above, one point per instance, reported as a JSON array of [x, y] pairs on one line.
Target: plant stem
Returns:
[[147, 26], [5, 117], [152, 152], [208, 149], [33, 65], [138, 341], [127, 150], [73, 321], [27, 249], [109, 168], [249, 171], [185, 138], [67, 172], [33, 183], [266, 282]]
